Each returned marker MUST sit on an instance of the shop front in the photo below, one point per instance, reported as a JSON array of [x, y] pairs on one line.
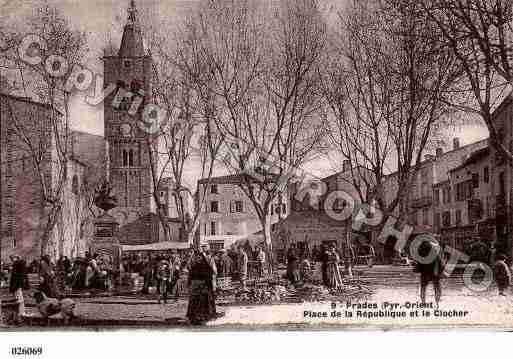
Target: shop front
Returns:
[[310, 231]]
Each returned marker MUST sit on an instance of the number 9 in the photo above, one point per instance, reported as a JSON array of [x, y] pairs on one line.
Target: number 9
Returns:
[[153, 118]]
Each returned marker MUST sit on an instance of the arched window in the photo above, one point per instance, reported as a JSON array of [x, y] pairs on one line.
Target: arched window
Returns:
[[125, 158], [135, 86], [131, 158], [125, 103], [75, 185]]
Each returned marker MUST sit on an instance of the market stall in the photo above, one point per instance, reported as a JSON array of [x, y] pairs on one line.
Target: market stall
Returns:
[[156, 247]]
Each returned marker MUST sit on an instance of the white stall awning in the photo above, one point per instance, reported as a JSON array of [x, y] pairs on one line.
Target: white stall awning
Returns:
[[159, 246]]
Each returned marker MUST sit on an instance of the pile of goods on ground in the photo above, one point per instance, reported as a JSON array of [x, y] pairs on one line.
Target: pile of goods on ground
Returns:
[[281, 292]]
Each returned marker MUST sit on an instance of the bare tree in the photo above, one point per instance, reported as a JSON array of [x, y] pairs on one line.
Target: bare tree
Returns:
[[50, 147], [185, 137], [92, 176], [262, 63], [479, 35], [386, 86]]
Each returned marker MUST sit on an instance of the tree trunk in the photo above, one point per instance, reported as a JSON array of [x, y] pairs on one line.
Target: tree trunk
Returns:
[[349, 255], [50, 225], [194, 238], [266, 225], [45, 238], [163, 222], [281, 214]]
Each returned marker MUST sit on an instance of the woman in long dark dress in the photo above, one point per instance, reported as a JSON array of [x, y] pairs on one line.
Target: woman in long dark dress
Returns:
[[333, 276], [19, 282], [293, 274], [202, 277]]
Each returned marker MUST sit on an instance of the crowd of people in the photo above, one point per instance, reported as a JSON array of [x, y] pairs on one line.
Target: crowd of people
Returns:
[[54, 278], [200, 268], [301, 267], [160, 272], [58, 278]]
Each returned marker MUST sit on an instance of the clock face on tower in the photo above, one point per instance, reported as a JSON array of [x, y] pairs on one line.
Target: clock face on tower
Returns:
[[125, 130]]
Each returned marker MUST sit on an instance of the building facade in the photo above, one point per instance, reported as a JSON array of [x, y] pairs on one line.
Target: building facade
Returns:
[[169, 201], [174, 203], [429, 206], [502, 179], [430, 182], [475, 216], [465, 209], [24, 213], [227, 214], [309, 226]]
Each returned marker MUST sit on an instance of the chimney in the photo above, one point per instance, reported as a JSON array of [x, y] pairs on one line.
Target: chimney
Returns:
[[439, 151], [455, 143], [346, 166]]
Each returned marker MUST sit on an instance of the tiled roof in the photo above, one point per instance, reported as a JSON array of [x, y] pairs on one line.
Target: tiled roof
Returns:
[[228, 179], [29, 100], [473, 158]]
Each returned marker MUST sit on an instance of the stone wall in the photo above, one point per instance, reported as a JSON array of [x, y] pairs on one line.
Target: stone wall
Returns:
[[24, 216]]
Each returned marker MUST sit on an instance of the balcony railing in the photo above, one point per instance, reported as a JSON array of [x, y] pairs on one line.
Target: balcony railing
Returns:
[[501, 209], [420, 202], [475, 209]]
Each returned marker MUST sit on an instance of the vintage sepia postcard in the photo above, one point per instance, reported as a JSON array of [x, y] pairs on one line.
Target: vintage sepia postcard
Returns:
[[255, 165]]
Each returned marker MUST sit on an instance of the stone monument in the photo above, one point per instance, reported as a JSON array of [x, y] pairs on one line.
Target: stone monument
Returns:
[[105, 242]]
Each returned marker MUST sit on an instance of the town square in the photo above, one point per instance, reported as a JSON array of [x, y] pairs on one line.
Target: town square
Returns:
[[284, 165]]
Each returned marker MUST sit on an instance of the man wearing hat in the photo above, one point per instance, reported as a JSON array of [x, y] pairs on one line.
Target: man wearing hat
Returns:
[[260, 261], [224, 269], [163, 279], [431, 271], [243, 267], [175, 266]]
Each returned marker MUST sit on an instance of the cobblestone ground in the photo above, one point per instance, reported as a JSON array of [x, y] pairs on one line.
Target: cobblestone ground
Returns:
[[131, 309]]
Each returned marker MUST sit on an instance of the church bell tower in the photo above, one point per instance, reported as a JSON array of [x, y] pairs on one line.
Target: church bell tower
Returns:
[[129, 168]]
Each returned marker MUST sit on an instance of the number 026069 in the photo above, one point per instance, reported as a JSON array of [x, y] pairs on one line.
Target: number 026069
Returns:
[[26, 351]]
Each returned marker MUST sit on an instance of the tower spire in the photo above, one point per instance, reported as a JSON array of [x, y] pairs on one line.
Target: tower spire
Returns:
[[132, 41], [132, 13]]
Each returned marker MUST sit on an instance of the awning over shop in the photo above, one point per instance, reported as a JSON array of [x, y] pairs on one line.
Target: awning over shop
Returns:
[[226, 239], [159, 246], [422, 229]]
